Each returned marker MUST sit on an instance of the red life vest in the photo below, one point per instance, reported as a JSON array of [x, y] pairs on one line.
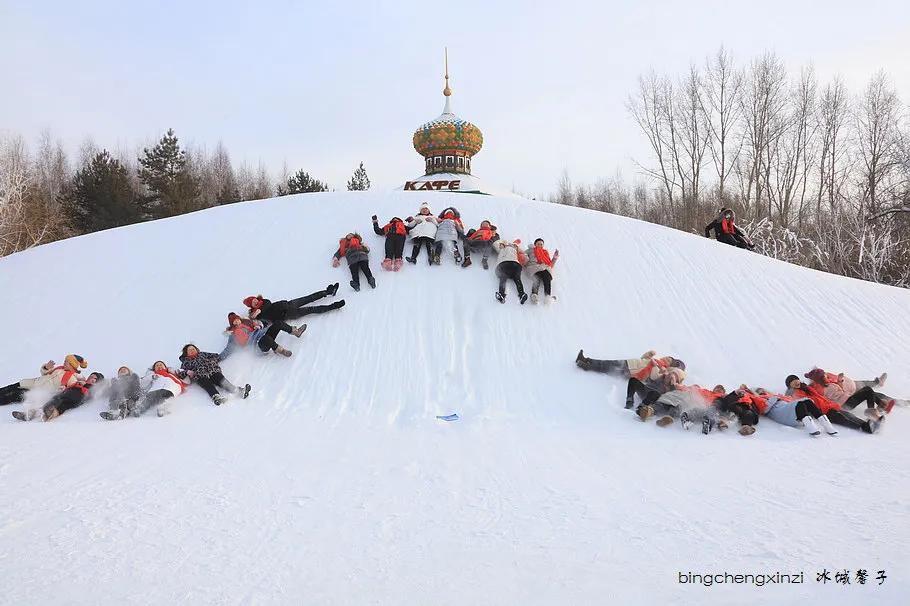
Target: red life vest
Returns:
[[354, 243], [173, 377], [645, 372], [66, 375], [398, 226], [727, 226], [543, 256], [481, 234]]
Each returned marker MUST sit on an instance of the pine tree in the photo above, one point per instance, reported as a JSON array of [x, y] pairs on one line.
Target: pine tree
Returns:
[[101, 196], [359, 181], [173, 189], [302, 183]]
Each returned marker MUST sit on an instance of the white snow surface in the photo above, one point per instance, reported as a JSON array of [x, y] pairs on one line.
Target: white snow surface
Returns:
[[334, 483]]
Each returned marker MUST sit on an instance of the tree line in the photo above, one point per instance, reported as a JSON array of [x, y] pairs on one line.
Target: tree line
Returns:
[[818, 175], [43, 199]]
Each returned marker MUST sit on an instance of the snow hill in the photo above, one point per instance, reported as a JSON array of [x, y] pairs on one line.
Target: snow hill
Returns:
[[335, 483]]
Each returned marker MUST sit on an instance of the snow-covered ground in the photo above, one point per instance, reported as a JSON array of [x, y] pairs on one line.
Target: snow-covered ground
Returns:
[[335, 483]]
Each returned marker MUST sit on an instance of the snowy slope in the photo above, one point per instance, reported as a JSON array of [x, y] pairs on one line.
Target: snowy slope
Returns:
[[335, 484]]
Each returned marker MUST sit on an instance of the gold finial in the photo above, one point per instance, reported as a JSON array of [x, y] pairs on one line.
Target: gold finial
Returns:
[[447, 91]]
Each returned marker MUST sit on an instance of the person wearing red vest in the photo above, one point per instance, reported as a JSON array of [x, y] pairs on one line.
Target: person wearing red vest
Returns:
[[746, 406], [795, 411], [277, 313], [648, 366], [395, 232], [692, 404], [357, 254], [480, 240], [540, 266], [726, 231], [828, 407], [52, 378], [69, 398], [243, 332], [849, 393], [650, 389]]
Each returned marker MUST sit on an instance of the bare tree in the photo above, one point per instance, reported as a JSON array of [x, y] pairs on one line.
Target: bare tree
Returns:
[[723, 110], [833, 114], [877, 129], [650, 107]]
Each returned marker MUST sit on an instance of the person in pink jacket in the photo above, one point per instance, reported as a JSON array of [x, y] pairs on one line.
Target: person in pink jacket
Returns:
[[849, 393]]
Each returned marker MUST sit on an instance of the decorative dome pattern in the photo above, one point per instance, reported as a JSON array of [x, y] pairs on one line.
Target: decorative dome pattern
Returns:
[[448, 134]]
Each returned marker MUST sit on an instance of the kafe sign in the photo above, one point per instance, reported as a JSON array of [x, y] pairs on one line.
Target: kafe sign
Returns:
[[432, 185]]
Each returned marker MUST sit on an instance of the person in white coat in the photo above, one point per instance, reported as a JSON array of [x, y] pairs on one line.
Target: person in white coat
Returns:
[[509, 262], [159, 385], [540, 267], [52, 378], [422, 228]]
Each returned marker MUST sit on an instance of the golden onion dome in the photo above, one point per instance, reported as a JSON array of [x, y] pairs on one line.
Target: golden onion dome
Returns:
[[448, 134]]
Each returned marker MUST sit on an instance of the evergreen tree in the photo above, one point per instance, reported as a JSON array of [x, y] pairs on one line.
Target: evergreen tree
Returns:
[[101, 196], [302, 183], [359, 181], [173, 189]]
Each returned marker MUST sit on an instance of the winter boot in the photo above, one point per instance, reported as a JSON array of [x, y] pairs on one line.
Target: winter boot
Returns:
[[218, 399], [110, 415], [332, 289], [685, 420], [522, 298], [467, 262], [372, 282], [629, 404], [396, 264], [721, 425], [551, 299], [665, 421], [387, 264], [534, 297], [826, 425], [281, 351], [581, 361], [485, 263], [746, 430], [887, 406], [24, 416], [871, 426], [645, 412], [880, 380], [501, 297], [457, 255], [707, 425], [811, 426], [437, 259], [411, 260], [873, 414], [162, 410], [244, 392], [297, 332], [355, 285]]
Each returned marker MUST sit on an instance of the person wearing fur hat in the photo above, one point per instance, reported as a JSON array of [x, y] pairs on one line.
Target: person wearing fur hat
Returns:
[[243, 331], [52, 377], [204, 369], [124, 393], [395, 232], [849, 393], [480, 240], [647, 367], [726, 231], [279, 312], [357, 254], [650, 389], [450, 230], [540, 266], [422, 228], [828, 407], [509, 261], [71, 397], [795, 411]]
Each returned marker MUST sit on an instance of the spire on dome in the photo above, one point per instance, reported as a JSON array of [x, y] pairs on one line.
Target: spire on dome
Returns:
[[447, 91]]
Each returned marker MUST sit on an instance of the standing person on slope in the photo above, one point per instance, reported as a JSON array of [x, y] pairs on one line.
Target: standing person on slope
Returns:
[[450, 231], [480, 240], [395, 232], [205, 370], [357, 254], [828, 407], [540, 266], [71, 397], [243, 331], [422, 228], [509, 262]]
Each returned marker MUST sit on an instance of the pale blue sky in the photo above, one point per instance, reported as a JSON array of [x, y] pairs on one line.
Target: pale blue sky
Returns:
[[326, 85]]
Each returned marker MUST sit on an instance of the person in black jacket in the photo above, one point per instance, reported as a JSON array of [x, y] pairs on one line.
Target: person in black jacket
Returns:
[[395, 232], [204, 369], [277, 313], [69, 398], [726, 231]]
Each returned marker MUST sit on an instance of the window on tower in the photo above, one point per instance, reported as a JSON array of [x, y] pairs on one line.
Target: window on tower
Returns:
[[450, 161]]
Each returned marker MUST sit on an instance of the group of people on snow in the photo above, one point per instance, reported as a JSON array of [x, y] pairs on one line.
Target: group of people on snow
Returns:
[[445, 232], [129, 395], [656, 387]]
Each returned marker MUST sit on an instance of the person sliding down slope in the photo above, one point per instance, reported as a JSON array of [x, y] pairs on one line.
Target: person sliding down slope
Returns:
[[395, 232], [450, 230], [693, 404], [646, 367], [849, 393], [277, 313], [540, 266], [69, 398], [725, 230], [653, 384], [357, 254], [509, 262], [794, 411], [422, 228], [123, 394], [204, 369], [829, 408], [243, 332], [159, 385], [52, 377], [480, 240]]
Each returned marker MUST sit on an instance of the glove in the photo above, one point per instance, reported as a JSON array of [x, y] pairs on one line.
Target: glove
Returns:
[[336, 262]]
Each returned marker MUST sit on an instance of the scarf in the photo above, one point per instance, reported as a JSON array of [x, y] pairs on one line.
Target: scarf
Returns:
[[543, 256]]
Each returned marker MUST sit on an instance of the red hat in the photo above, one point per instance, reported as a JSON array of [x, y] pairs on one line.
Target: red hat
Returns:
[[817, 375], [231, 317], [249, 301]]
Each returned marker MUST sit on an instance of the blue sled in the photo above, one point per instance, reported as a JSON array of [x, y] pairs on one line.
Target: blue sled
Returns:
[[452, 417]]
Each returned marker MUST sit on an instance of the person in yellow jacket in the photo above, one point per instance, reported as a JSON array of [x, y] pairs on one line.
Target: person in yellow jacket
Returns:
[[52, 378]]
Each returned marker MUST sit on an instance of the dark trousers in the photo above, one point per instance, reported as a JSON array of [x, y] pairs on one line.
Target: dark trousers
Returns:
[[267, 341], [647, 393], [481, 246], [807, 408], [12, 394], [509, 270], [360, 266], [154, 398], [618, 368], [65, 400], [542, 277], [747, 414], [848, 419], [864, 394], [297, 310], [422, 241], [394, 246], [212, 383]]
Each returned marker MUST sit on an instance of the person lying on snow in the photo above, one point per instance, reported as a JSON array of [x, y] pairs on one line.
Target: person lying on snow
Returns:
[[540, 266], [159, 385], [726, 231], [509, 261], [422, 228], [690, 404], [395, 232], [123, 394], [828, 407], [204, 369], [746, 406], [651, 383], [849, 393], [71, 397], [795, 411], [52, 377], [279, 312], [243, 332], [647, 366], [480, 240], [357, 254], [450, 230]]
